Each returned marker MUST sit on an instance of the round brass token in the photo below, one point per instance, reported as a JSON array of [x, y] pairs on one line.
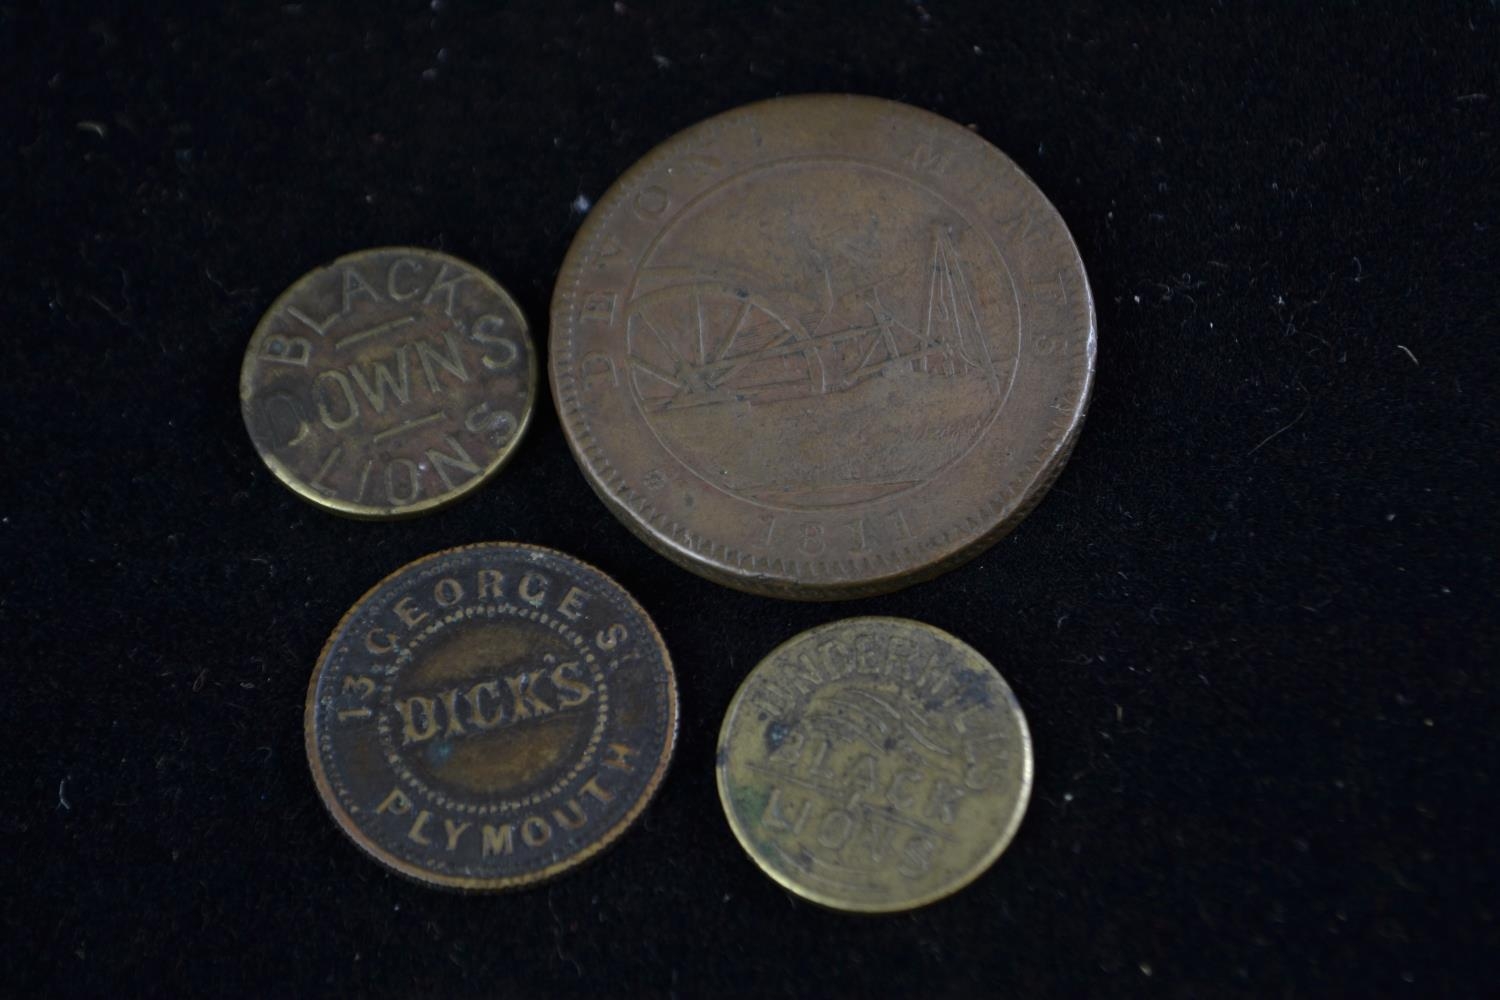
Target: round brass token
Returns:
[[822, 346], [388, 383], [490, 716], [874, 764]]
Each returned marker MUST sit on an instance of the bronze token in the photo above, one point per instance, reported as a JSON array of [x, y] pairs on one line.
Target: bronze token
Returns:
[[490, 716], [388, 383], [822, 347], [874, 764]]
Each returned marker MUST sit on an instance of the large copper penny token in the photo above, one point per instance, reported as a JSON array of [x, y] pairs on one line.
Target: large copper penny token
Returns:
[[822, 347], [388, 383], [874, 764], [490, 716]]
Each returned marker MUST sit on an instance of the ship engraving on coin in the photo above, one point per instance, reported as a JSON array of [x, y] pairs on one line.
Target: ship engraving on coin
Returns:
[[874, 764], [388, 383], [490, 716], [822, 347]]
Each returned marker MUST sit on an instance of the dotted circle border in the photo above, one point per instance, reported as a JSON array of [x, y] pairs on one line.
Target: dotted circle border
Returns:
[[491, 611]]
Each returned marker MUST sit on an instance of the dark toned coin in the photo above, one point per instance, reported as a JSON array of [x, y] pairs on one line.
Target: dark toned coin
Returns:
[[874, 764], [822, 347], [391, 382], [490, 716]]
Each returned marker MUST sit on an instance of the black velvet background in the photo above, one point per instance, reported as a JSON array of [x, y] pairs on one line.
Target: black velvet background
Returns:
[[1253, 625]]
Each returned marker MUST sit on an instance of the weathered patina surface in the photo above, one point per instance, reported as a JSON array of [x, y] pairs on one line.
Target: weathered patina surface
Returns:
[[388, 383], [874, 764], [490, 716], [822, 347]]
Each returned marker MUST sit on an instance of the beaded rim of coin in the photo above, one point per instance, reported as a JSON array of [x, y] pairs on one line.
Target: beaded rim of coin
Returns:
[[312, 731], [508, 435], [747, 836], [710, 507]]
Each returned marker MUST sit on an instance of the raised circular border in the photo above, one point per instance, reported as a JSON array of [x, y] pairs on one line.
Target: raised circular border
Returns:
[[368, 512], [824, 899], [740, 570], [405, 868]]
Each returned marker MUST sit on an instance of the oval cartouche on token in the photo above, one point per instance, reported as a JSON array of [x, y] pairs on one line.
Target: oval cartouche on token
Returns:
[[874, 764], [822, 347], [390, 382], [491, 716]]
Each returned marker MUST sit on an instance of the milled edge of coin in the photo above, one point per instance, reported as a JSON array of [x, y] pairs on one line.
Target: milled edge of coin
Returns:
[[1023, 799], [368, 512], [1048, 467], [475, 885]]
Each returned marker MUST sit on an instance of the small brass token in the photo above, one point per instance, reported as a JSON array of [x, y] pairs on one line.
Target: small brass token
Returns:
[[388, 383], [822, 347], [874, 764], [490, 716]]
